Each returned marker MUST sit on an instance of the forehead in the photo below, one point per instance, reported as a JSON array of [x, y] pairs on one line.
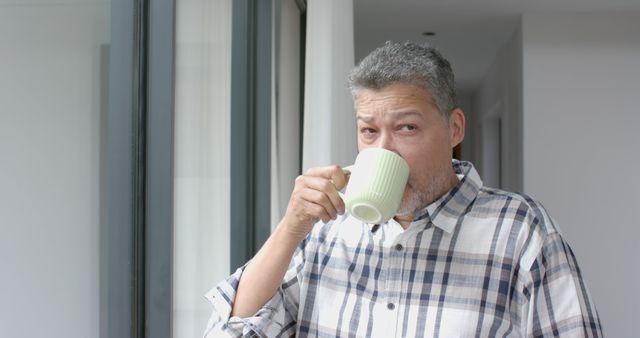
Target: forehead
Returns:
[[396, 99]]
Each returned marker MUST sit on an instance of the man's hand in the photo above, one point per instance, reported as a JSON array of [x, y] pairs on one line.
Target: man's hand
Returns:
[[315, 197]]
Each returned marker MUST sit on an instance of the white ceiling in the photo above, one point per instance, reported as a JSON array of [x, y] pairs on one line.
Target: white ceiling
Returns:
[[468, 32]]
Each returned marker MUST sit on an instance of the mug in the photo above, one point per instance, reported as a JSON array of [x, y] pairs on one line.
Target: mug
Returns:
[[376, 185]]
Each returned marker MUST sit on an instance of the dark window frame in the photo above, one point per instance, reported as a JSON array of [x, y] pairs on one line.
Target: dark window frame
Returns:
[[136, 247], [250, 128], [251, 74], [136, 232]]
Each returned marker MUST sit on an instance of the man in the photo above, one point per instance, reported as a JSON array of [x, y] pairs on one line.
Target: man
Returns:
[[458, 259]]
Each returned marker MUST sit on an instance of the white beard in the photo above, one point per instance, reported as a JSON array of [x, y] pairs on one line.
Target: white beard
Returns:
[[422, 196]]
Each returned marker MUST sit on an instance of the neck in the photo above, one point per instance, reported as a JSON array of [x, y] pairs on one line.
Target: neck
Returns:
[[405, 220]]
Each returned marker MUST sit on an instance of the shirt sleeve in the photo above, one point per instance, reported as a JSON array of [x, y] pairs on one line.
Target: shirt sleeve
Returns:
[[557, 302], [277, 318]]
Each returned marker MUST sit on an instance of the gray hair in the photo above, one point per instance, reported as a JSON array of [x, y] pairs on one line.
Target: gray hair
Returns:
[[412, 63]]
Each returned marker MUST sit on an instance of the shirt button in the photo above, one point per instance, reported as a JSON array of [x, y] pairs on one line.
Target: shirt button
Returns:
[[399, 247], [391, 306]]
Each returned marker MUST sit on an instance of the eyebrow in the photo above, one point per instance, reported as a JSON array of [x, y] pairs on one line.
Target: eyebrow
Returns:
[[395, 115]]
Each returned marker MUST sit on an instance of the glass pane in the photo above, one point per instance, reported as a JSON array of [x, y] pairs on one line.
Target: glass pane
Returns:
[[202, 122], [285, 140], [53, 89]]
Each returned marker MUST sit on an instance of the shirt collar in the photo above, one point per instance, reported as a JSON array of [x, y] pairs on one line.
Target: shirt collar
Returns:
[[445, 212]]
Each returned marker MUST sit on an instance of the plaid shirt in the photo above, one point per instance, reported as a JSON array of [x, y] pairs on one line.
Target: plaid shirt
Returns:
[[478, 262]]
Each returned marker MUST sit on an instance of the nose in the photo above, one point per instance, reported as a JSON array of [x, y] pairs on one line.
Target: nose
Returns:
[[386, 141]]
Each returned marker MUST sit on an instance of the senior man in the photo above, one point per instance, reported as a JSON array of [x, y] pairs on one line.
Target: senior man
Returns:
[[458, 260]]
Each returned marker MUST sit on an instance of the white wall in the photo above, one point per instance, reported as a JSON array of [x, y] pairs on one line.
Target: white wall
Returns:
[[50, 85], [581, 116], [500, 96]]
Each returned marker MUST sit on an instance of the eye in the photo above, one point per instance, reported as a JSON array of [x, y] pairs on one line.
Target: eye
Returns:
[[367, 130], [408, 127]]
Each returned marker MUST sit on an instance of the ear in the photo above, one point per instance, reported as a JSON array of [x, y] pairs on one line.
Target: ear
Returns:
[[456, 126]]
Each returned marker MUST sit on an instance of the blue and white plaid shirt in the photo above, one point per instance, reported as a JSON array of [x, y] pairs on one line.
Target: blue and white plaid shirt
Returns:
[[478, 262]]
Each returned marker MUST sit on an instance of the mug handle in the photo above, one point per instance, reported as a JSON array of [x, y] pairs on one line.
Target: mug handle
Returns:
[[347, 171]]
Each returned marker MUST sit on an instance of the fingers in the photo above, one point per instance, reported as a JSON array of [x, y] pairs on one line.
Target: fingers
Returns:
[[315, 212], [333, 173], [323, 192], [315, 197]]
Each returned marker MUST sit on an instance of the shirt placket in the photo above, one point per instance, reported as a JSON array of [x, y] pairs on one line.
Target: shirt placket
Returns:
[[395, 287]]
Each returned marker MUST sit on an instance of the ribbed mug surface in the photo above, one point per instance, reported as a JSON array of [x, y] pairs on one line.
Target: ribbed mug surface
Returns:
[[377, 183]]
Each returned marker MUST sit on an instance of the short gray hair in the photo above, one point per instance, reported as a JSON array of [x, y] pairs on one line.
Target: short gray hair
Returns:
[[412, 63]]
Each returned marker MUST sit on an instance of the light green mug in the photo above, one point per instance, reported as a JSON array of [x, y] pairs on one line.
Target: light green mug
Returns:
[[376, 185]]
